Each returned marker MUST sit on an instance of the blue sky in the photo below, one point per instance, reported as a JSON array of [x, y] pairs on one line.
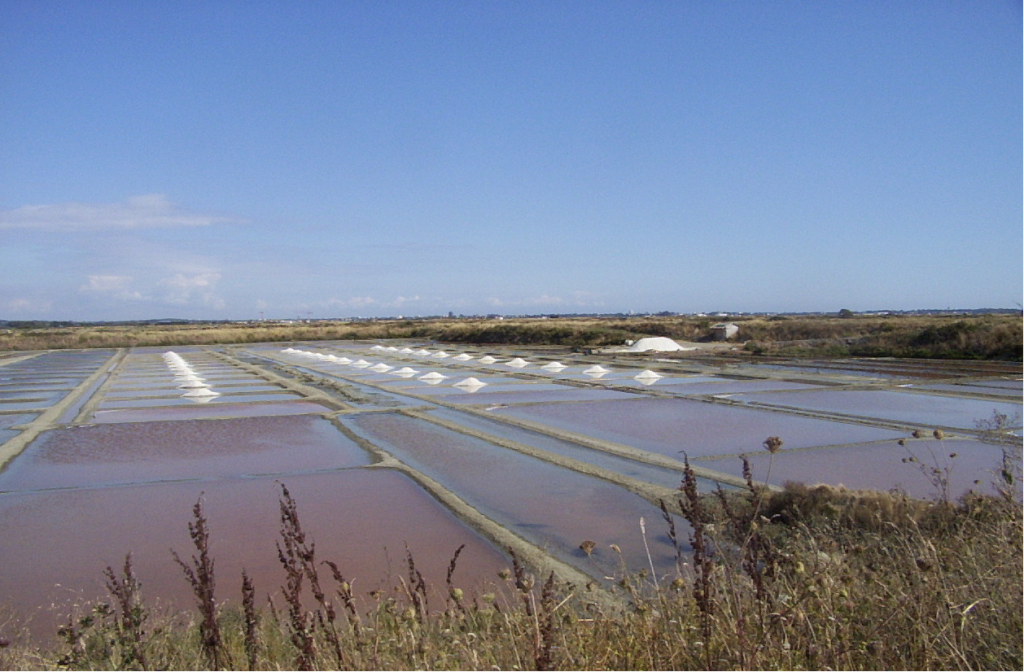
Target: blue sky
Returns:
[[226, 159]]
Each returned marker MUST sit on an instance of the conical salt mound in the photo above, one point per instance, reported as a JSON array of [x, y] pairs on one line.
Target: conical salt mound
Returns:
[[441, 354], [406, 351], [470, 382], [470, 385], [517, 363], [405, 372], [343, 360], [554, 366], [597, 368], [463, 357], [487, 360], [647, 374], [361, 364], [381, 368], [433, 375]]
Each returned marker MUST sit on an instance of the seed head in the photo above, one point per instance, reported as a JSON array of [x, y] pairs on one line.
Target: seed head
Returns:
[[772, 444]]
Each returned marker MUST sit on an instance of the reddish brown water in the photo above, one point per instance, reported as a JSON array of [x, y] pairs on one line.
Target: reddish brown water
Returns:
[[155, 451], [362, 519]]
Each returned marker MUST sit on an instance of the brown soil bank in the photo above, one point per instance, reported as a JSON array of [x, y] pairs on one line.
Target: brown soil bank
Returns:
[[990, 336]]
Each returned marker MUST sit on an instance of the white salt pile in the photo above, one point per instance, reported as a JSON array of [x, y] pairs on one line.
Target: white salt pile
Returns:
[[381, 368], [433, 375], [361, 364], [487, 360], [422, 353], [597, 368], [405, 372], [554, 366], [440, 354], [470, 384], [332, 358], [647, 374], [517, 363], [343, 360], [406, 351], [463, 357], [655, 344]]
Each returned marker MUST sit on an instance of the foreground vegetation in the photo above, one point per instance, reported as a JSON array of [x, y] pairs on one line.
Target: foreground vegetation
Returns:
[[991, 336], [806, 578]]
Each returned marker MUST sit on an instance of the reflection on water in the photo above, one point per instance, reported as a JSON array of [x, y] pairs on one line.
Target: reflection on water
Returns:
[[674, 426], [554, 507]]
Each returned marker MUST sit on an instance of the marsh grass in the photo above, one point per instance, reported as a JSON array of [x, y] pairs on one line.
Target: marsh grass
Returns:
[[806, 578], [993, 336]]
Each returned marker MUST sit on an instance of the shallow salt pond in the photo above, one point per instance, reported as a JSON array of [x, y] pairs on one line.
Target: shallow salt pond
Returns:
[[881, 466], [201, 411], [549, 505], [669, 478], [674, 426], [364, 520], [928, 410], [100, 455]]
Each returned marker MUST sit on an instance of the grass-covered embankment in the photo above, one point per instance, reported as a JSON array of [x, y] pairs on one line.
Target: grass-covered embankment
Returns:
[[807, 578], [992, 336]]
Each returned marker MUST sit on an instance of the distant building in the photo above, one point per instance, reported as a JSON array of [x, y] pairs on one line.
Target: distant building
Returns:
[[723, 331]]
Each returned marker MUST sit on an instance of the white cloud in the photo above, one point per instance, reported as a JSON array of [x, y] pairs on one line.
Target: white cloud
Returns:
[[199, 288], [116, 286], [27, 307], [363, 302], [137, 212], [576, 299]]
